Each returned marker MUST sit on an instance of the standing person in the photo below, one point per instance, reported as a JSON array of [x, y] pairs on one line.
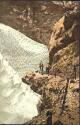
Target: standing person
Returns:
[[49, 118], [41, 66], [48, 67], [75, 71]]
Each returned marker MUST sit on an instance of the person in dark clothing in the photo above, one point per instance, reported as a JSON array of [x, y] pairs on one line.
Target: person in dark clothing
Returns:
[[49, 118], [48, 67], [41, 66], [47, 70]]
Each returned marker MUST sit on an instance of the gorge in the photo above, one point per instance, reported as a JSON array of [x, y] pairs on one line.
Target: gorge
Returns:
[[56, 25]]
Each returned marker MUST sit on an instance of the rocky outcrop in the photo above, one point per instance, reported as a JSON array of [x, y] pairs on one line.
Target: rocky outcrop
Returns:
[[58, 97], [60, 94], [33, 18], [36, 19], [63, 45]]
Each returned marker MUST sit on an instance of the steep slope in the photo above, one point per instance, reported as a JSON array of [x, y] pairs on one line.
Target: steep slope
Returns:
[[64, 42], [60, 92], [59, 97], [22, 53]]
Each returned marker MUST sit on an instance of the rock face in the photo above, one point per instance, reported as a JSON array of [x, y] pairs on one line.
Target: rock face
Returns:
[[58, 97], [33, 18], [36, 22], [63, 45], [61, 95]]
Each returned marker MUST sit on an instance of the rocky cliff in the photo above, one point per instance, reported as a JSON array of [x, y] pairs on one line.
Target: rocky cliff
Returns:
[[64, 42], [38, 20], [33, 18], [60, 92], [58, 97]]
